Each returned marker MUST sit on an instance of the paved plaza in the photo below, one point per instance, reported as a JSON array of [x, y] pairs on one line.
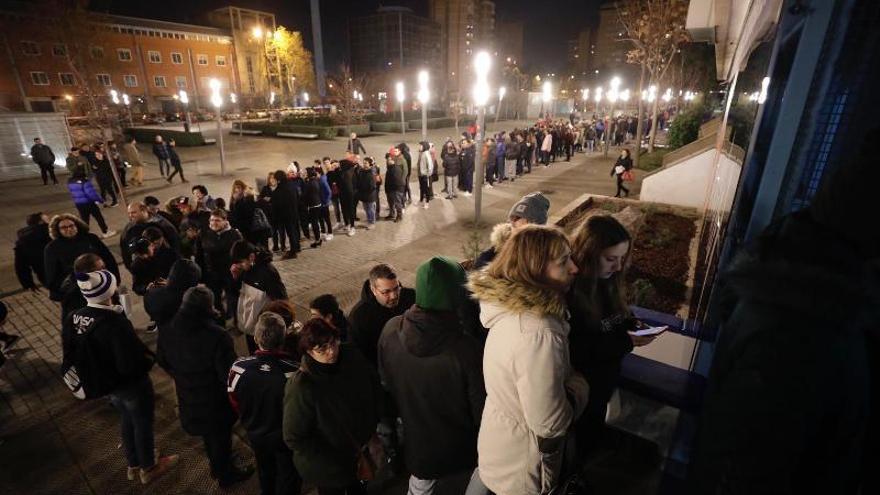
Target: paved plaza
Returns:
[[53, 443]]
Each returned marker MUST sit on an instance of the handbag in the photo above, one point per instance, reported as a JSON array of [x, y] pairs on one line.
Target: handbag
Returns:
[[370, 459], [260, 222], [627, 176], [619, 169]]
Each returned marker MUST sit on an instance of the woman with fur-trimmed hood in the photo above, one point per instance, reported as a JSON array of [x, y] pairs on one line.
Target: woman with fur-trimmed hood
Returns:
[[533, 395]]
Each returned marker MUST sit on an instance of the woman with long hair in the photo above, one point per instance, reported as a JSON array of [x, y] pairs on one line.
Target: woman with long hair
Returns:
[[623, 165], [600, 318], [532, 393], [242, 206]]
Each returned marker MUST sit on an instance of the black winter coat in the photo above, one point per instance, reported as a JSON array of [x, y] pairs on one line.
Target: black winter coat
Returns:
[[163, 302], [32, 241], [62, 252], [787, 401], [434, 372], [451, 164], [328, 410], [133, 231], [311, 195], [368, 318], [365, 184], [282, 204], [395, 180], [216, 247], [346, 180], [198, 355], [241, 215], [147, 270]]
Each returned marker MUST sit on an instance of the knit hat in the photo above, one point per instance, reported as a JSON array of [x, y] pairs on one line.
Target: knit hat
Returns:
[[440, 284], [96, 286], [198, 298], [533, 207]]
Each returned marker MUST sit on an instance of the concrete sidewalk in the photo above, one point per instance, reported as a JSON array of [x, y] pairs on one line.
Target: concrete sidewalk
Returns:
[[57, 444]]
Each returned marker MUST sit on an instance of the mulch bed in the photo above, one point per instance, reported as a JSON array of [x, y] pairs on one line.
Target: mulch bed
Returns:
[[660, 257]]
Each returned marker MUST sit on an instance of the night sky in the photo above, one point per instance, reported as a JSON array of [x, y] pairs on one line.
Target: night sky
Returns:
[[549, 23]]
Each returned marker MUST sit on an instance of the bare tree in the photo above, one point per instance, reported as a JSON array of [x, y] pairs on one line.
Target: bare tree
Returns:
[[342, 87], [656, 29]]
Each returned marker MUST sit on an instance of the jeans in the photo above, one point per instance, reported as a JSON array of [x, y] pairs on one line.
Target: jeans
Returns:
[[164, 166], [509, 168], [314, 218], [324, 219], [476, 486], [135, 405], [177, 170], [278, 475], [348, 210], [426, 193], [499, 168], [451, 186], [288, 230], [105, 185], [337, 208], [370, 209], [47, 171], [419, 486], [395, 203], [91, 210]]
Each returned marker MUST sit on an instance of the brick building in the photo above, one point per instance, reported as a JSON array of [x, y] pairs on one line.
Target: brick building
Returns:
[[147, 59]]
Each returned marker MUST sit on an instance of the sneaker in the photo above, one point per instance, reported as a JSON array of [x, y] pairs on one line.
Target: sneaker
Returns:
[[108, 234], [328, 237], [237, 475], [290, 255], [425, 205], [371, 226], [338, 226], [163, 465], [350, 232], [467, 194], [317, 243]]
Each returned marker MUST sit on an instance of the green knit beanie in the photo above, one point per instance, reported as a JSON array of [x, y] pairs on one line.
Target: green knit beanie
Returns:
[[440, 284]]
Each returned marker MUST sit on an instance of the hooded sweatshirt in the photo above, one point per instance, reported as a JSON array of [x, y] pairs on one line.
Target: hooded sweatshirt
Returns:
[[434, 373], [162, 302]]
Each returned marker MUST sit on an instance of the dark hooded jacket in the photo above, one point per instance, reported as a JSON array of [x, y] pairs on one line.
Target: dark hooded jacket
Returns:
[[60, 254], [786, 404], [451, 163], [407, 166], [328, 410], [134, 230], [395, 175], [365, 184], [162, 302], [347, 170], [32, 241], [198, 355], [368, 318], [434, 373]]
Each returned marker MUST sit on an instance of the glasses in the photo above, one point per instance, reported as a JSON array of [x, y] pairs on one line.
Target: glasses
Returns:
[[67, 226], [326, 348], [388, 291]]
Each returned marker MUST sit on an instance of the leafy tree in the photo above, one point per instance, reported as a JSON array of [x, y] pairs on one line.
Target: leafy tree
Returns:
[[341, 88], [656, 29], [294, 59]]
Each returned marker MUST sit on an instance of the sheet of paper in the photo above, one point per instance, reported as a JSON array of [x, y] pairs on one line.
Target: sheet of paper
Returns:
[[649, 331]]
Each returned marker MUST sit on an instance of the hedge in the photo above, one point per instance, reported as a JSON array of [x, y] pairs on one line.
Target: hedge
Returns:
[[433, 123], [271, 129], [386, 126], [180, 138], [321, 121], [408, 115], [686, 127]]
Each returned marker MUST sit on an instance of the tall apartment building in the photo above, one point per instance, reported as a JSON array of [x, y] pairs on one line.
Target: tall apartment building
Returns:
[[392, 39], [609, 56], [580, 53], [465, 26], [148, 60]]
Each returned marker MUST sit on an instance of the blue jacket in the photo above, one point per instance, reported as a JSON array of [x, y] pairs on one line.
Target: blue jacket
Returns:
[[326, 192], [83, 192]]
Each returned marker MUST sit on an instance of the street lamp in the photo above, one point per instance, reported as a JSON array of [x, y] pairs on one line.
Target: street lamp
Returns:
[[184, 98], [257, 32], [401, 95], [667, 96], [501, 92], [423, 97], [126, 101], [612, 95], [217, 101], [482, 64], [546, 94]]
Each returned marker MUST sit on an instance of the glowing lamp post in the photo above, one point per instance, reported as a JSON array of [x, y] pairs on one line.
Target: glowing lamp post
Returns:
[[546, 95], [482, 64], [184, 98], [400, 93], [423, 97], [501, 92], [217, 101], [613, 95]]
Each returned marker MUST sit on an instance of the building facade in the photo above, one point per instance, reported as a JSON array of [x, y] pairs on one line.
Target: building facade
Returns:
[[509, 41], [465, 27], [610, 48], [580, 53], [54, 69], [392, 39]]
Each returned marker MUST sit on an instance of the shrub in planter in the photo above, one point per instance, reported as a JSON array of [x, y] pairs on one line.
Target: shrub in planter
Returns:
[[686, 127], [407, 115], [322, 121], [271, 129]]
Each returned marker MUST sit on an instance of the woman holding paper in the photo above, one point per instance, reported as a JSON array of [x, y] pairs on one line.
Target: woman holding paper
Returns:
[[602, 325]]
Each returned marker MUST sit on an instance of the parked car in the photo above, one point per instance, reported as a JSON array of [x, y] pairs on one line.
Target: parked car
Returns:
[[152, 118]]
